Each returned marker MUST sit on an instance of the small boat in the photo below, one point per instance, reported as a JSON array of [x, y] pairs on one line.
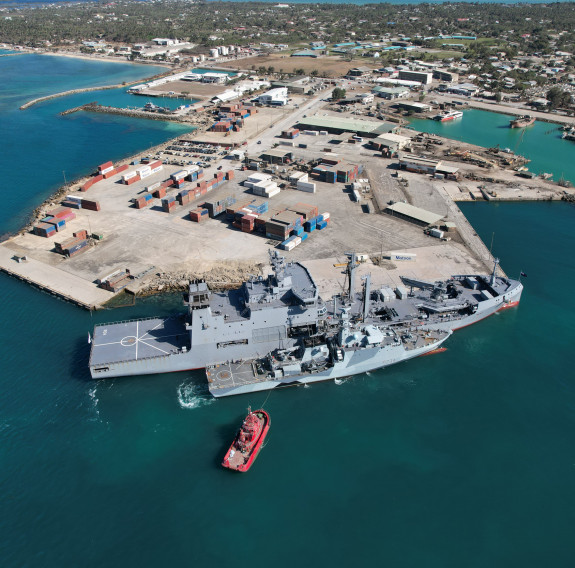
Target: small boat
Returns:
[[569, 134], [248, 441], [448, 115], [522, 121]]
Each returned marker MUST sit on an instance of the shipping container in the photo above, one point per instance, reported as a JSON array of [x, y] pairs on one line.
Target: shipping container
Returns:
[[106, 166]]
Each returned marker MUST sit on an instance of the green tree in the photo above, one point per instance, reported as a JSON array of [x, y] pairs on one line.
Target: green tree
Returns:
[[338, 93], [557, 98]]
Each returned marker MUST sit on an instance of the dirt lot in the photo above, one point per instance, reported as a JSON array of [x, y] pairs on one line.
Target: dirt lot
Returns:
[[195, 89], [329, 66]]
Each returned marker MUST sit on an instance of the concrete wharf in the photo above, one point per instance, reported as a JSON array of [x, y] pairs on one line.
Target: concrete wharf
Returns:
[[58, 282]]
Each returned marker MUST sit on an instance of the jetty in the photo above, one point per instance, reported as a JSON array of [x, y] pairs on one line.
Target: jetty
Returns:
[[56, 281]]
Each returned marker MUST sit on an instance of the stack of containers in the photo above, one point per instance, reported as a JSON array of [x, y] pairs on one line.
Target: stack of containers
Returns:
[[322, 221], [183, 197], [237, 206], [156, 166], [144, 201], [220, 206], [258, 207], [105, 168], [116, 281], [266, 188], [247, 223], [73, 202], [153, 187], [73, 246], [306, 210], [291, 243], [44, 230], [144, 171], [179, 175], [309, 225], [199, 214], [230, 175], [169, 204], [58, 224], [130, 178], [160, 192]]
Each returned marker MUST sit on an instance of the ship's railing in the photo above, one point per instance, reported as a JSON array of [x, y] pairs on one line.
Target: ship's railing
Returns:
[[134, 320]]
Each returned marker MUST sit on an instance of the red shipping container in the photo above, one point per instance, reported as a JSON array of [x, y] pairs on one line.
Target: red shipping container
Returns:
[[230, 174], [161, 192], [132, 180], [104, 166], [122, 168], [90, 205], [110, 174], [155, 164], [83, 234]]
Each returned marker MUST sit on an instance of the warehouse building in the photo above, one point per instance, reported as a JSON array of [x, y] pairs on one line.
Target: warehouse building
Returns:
[[413, 214], [418, 164], [391, 142], [274, 97], [422, 77], [333, 125], [445, 76], [414, 106], [391, 93], [277, 156]]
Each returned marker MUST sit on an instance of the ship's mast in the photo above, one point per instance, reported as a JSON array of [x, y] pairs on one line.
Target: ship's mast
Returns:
[[493, 274], [351, 266], [366, 295]]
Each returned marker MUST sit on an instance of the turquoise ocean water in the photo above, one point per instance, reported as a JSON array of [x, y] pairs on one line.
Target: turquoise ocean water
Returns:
[[541, 142], [459, 459]]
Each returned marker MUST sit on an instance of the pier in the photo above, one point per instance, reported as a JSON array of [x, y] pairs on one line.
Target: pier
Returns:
[[56, 281]]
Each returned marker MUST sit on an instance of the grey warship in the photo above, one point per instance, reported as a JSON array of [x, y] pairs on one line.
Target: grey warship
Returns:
[[283, 332]]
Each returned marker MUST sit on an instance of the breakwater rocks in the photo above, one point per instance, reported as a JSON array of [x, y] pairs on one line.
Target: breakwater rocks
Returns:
[[89, 89], [220, 276], [95, 107]]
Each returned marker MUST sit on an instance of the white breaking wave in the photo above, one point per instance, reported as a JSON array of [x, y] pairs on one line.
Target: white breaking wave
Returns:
[[339, 381], [192, 395], [95, 400]]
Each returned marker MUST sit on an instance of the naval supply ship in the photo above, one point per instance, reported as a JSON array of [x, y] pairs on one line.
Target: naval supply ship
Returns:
[[283, 318]]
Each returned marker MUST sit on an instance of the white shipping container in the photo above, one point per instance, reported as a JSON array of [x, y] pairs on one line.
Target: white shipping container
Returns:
[[356, 195], [129, 175], [145, 174], [272, 193], [193, 169], [256, 177], [181, 174], [157, 169], [306, 186], [289, 246], [73, 198], [151, 188], [106, 170], [403, 256], [297, 241], [323, 132], [143, 170], [311, 132], [298, 176], [325, 216], [286, 143]]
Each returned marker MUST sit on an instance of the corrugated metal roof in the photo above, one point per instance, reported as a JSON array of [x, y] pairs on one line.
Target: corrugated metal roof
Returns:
[[415, 212], [349, 124]]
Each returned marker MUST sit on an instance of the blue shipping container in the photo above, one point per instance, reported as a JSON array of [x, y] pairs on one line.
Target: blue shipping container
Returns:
[[322, 225], [304, 236]]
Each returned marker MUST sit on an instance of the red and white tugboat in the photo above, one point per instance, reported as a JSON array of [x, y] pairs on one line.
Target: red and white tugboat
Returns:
[[248, 441]]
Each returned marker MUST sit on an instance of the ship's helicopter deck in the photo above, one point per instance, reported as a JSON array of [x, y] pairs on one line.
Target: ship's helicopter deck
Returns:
[[138, 339]]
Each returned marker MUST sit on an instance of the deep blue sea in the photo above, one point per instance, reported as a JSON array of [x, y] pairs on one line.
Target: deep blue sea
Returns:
[[463, 459]]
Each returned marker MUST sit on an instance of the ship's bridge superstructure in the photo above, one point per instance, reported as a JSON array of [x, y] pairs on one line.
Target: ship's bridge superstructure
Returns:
[[252, 320]]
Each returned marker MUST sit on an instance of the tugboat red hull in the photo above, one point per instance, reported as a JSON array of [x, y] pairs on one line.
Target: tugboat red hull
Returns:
[[241, 456]]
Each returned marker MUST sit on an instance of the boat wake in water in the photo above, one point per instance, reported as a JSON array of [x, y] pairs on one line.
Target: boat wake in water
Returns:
[[94, 402], [192, 395]]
